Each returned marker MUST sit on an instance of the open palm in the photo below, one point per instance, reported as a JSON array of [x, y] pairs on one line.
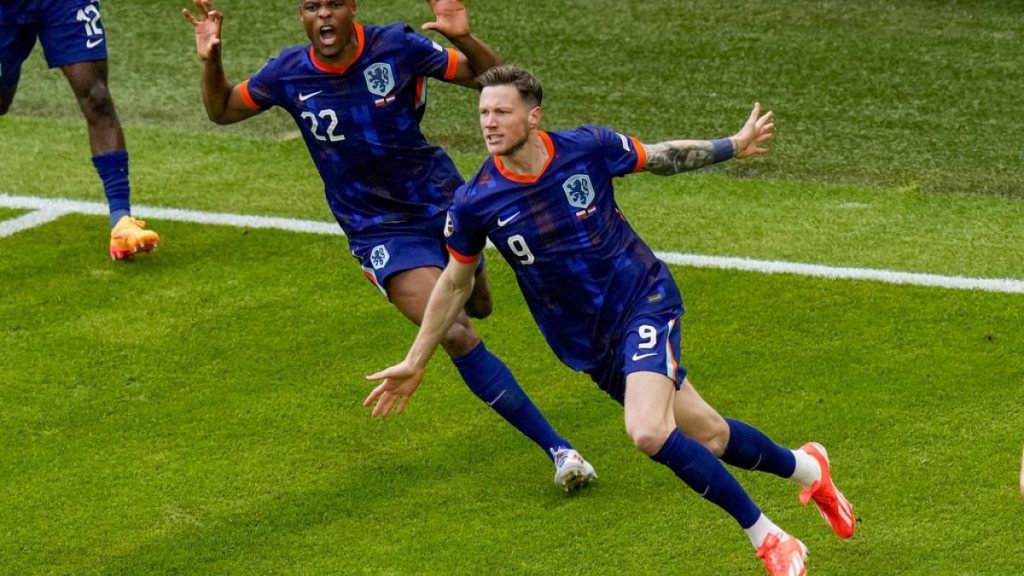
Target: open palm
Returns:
[[207, 27]]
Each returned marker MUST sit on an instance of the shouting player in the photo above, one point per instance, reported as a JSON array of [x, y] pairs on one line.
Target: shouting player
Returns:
[[357, 94], [74, 40], [604, 302]]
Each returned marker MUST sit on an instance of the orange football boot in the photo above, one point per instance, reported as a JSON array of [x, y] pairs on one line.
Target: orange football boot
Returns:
[[783, 555], [130, 236], [831, 504]]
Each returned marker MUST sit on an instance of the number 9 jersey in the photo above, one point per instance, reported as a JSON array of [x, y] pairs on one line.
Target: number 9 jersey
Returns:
[[582, 268], [361, 123]]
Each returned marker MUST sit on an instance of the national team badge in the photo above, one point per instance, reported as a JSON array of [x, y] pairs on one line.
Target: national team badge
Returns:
[[449, 226], [380, 81], [580, 193], [379, 257]]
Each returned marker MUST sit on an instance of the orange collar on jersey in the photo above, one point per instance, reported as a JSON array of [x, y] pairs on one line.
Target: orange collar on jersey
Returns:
[[528, 178], [340, 69]]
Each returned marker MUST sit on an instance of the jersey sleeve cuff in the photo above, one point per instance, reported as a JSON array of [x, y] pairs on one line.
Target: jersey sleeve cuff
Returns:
[[459, 257], [453, 64], [243, 91], [641, 155]]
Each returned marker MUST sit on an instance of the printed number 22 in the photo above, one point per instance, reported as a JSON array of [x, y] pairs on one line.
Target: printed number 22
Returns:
[[314, 125]]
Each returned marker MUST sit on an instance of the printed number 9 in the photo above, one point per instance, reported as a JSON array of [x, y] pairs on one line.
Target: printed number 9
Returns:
[[648, 333], [517, 244]]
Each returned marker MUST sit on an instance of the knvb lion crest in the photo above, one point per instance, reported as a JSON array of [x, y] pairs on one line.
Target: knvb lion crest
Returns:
[[579, 191], [379, 257], [380, 80]]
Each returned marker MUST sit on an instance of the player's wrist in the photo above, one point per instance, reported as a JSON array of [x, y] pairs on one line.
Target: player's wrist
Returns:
[[724, 149]]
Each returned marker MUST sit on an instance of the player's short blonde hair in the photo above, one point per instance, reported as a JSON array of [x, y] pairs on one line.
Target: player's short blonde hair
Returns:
[[527, 84]]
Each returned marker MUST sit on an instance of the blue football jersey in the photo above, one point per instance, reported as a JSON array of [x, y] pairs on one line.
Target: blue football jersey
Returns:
[[580, 265], [361, 123]]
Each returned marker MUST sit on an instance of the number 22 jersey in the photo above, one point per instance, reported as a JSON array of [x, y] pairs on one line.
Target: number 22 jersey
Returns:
[[361, 123]]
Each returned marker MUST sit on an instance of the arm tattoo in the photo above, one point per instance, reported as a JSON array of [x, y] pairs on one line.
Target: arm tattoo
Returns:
[[667, 158]]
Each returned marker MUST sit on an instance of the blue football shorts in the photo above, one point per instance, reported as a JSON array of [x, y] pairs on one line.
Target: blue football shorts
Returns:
[[392, 248], [649, 342], [69, 30]]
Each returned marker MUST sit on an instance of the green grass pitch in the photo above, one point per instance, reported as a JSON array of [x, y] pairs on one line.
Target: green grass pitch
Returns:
[[198, 411]]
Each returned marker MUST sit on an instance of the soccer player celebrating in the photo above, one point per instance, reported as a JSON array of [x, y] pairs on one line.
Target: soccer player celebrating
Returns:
[[357, 94], [74, 40], [604, 302]]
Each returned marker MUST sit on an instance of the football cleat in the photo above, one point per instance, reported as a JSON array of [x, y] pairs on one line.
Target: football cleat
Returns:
[[571, 470], [831, 504], [783, 555], [130, 236]]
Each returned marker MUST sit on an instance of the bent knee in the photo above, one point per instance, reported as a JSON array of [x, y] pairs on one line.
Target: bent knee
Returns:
[[460, 339], [479, 308], [714, 436], [649, 440], [96, 103]]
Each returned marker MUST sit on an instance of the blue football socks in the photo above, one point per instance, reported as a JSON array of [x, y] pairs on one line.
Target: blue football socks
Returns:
[[750, 449], [113, 170], [492, 381], [698, 467]]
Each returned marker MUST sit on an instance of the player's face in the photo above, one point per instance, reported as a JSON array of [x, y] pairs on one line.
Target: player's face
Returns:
[[328, 25], [506, 119]]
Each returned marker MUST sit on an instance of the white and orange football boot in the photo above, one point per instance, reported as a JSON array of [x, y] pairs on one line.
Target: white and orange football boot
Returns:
[[571, 470], [783, 555], [130, 236], [831, 504]]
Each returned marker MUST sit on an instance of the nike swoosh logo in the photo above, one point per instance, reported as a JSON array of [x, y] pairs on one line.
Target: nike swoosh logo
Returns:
[[642, 356], [503, 221], [93, 43], [493, 402], [304, 97]]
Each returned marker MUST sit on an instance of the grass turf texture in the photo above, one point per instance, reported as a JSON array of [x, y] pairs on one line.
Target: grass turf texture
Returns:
[[197, 411], [918, 94]]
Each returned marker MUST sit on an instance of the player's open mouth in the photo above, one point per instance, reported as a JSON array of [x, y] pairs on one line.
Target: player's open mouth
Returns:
[[328, 36]]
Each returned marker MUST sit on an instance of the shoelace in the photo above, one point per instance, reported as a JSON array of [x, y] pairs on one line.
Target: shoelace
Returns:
[[771, 551]]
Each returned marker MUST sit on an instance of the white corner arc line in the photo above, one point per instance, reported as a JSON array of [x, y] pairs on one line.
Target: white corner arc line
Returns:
[[30, 220], [48, 209]]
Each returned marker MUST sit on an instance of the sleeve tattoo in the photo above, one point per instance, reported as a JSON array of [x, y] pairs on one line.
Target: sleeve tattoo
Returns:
[[667, 158]]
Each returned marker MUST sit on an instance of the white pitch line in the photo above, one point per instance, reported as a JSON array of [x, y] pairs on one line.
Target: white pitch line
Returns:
[[30, 220], [48, 209], [1007, 285]]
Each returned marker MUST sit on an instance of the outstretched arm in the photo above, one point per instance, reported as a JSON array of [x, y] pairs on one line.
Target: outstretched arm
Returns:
[[673, 157], [450, 294], [223, 101], [453, 22]]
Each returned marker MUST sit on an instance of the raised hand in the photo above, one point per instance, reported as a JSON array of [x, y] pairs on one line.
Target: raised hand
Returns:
[[400, 382], [452, 18], [207, 27], [755, 132]]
